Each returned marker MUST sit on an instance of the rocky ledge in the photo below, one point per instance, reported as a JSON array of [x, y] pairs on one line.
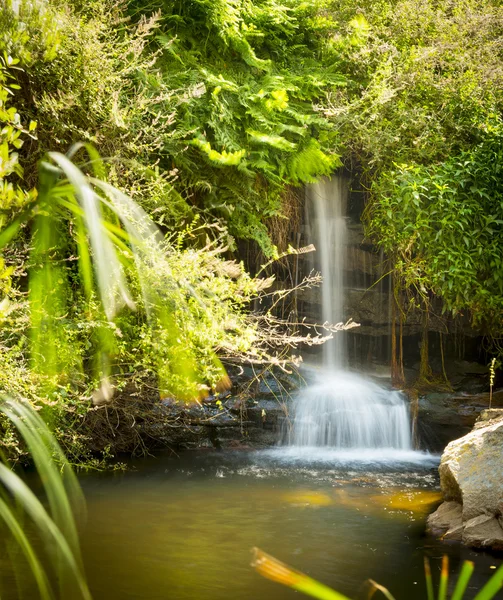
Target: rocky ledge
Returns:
[[471, 478]]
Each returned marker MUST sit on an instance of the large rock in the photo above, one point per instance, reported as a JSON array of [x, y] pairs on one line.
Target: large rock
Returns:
[[471, 478], [483, 531], [447, 521]]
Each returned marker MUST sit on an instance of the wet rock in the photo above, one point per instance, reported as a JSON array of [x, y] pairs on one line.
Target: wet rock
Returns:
[[270, 382], [454, 533], [235, 405], [471, 478]]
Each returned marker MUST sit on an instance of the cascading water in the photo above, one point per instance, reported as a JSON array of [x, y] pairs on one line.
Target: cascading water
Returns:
[[345, 411], [326, 205], [340, 410]]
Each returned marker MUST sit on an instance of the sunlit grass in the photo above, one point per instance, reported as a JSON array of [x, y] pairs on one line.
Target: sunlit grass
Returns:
[[273, 569]]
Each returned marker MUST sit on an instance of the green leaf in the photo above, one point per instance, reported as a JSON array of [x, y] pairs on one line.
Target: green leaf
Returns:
[[273, 569]]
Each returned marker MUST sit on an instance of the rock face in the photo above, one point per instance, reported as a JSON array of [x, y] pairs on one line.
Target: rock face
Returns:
[[445, 416], [471, 477]]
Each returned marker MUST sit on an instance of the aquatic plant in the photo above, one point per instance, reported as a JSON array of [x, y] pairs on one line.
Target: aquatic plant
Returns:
[[273, 569]]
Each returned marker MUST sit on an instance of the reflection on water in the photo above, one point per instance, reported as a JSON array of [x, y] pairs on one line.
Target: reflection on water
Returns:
[[183, 528]]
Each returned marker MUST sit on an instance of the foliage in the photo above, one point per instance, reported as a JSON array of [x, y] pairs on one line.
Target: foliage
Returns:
[[273, 569], [213, 108], [421, 116], [12, 196], [218, 128], [11, 140], [94, 252], [82, 71], [39, 540], [246, 116], [444, 225], [86, 82], [424, 82], [190, 294], [205, 113]]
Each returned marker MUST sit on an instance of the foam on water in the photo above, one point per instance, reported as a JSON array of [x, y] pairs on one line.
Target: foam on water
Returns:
[[345, 411], [329, 456]]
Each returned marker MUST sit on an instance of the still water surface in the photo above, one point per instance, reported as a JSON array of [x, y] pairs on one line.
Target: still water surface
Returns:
[[182, 528]]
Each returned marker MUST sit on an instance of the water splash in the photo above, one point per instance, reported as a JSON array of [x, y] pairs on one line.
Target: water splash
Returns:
[[345, 411]]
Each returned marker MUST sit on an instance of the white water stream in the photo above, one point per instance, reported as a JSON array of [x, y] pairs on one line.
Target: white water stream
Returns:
[[341, 411], [326, 205]]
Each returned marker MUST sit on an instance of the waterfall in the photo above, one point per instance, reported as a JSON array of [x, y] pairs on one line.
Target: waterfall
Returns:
[[342, 410], [326, 203]]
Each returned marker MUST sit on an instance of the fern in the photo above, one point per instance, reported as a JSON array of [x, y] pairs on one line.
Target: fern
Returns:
[[220, 158], [307, 165], [257, 66]]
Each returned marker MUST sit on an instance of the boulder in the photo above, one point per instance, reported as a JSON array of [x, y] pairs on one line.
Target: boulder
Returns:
[[483, 531], [447, 516], [471, 478], [471, 469]]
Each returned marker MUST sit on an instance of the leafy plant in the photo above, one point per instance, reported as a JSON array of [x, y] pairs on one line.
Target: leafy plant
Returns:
[[443, 226], [247, 110], [112, 303], [420, 116]]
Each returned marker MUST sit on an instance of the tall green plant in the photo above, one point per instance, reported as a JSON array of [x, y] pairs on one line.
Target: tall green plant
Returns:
[[443, 225], [421, 118], [247, 114], [51, 549]]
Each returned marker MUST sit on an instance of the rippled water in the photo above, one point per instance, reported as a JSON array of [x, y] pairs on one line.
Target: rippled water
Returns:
[[183, 528]]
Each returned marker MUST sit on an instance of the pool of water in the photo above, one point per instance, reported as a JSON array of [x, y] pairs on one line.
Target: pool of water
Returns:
[[183, 527]]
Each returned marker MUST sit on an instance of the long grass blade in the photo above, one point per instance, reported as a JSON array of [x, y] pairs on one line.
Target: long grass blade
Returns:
[[444, 578], [429, 581], [376, 587], [273, 569], [9, 232], [50, 533], [44, 450], [109, 274], [492, 587], [58, 529], [156, 282], [96, 162], [17, 532], [47, 286], [463, 579]]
